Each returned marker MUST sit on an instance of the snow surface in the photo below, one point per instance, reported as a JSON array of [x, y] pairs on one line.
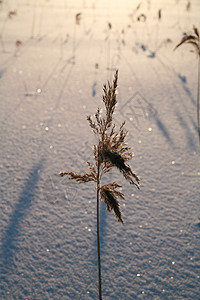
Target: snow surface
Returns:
[[48, 85]]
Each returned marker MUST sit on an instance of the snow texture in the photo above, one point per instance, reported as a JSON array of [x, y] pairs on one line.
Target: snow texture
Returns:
[[52, 71]]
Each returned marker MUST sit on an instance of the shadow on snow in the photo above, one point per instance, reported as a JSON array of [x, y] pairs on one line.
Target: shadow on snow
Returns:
[[20, 211]]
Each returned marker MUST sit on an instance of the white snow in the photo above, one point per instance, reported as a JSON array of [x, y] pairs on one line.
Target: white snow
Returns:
[[48, 85]]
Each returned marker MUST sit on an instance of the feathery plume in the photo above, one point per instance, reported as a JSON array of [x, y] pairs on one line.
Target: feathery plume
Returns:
[[109, 195], [80, 178]]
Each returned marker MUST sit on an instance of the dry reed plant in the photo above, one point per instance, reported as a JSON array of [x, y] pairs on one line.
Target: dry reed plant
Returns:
[[18, 43], [188, 6], [110, 152], [77, 22], [194, 40], [12, 13]]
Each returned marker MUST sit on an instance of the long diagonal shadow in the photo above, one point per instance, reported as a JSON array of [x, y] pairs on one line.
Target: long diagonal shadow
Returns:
[[163, 129], [20, 211]]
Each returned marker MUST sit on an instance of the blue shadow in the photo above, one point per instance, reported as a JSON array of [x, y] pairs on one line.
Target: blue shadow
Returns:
[[163, 129], [20, 211]]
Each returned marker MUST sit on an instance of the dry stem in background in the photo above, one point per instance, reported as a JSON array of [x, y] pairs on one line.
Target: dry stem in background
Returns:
[[194, 40]]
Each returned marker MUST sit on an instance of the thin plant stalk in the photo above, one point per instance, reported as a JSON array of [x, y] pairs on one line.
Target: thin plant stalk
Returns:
[[77, 22], [98, 233], [198, 94], [33, 20]]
